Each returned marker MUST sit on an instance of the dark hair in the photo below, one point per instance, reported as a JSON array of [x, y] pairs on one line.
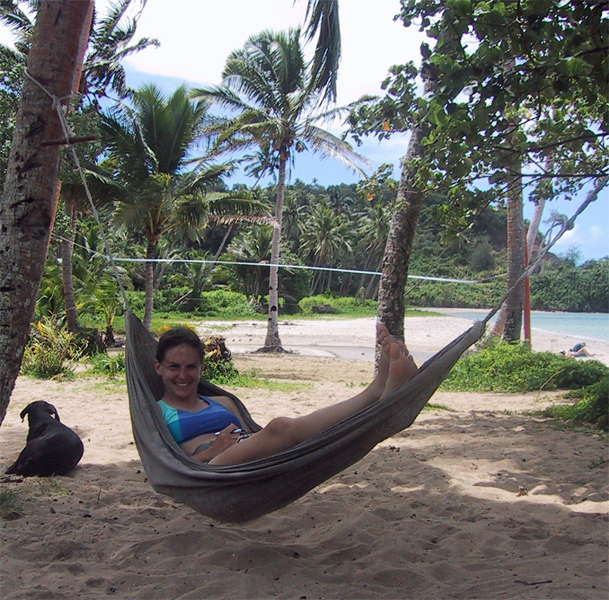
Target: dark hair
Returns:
[[179, 336]]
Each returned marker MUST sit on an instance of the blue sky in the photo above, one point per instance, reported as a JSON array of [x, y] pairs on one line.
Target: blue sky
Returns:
[[196, 36]]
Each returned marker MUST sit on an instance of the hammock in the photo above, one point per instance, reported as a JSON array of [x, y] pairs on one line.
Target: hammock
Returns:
[[239, 493]]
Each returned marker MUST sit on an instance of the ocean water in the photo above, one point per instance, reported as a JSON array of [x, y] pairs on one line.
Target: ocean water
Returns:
[[587, 326]]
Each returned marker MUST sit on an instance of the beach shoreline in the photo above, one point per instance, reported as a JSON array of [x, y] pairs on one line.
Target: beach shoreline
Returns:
[[479, 498], [354, 338]]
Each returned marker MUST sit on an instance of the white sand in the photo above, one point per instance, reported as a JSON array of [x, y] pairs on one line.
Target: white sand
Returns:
[[480, 501]]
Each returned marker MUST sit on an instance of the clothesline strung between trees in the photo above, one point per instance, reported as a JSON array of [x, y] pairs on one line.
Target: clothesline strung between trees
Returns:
[[284, 266]]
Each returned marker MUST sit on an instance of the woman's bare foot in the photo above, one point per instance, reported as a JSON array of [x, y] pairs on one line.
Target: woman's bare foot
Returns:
[[401, 368], [384, 339]]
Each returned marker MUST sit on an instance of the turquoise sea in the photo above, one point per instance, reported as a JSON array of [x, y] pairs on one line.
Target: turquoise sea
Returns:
[[587, 326]]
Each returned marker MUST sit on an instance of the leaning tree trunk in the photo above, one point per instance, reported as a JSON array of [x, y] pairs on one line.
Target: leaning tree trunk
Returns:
[[272, 343], [29, 200], [394, 270]]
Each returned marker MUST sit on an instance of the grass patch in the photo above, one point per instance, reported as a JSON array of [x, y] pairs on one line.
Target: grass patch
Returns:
[[431, 406], [11, 507], [599, 462], [251, 380]]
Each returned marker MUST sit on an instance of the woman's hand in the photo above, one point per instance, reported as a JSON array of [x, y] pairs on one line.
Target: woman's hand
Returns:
[[224, 439]]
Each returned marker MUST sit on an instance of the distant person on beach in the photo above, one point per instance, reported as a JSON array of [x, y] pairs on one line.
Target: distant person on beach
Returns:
[[578, 350], [208, 432]]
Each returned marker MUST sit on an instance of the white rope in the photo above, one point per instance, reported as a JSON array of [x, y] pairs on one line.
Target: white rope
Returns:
[[284, 266]]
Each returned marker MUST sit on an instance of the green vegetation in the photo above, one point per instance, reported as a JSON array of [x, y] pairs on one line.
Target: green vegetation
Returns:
[[51, 352], [108, 365], [591, 405], [515, 368], [11, 507]]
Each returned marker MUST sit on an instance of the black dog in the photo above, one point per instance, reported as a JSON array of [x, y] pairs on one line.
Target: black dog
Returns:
[[51, 449]]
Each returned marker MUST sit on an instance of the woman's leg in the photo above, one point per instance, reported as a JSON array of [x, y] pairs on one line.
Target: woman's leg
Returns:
[[396, 367]]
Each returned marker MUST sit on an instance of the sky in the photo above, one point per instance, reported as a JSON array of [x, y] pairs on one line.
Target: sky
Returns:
[[196, 36]]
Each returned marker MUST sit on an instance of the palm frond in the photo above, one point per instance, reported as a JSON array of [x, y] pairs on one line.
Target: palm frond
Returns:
[[324, 21]]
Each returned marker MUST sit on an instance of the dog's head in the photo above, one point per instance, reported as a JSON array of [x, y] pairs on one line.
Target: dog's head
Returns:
[[40, 407]]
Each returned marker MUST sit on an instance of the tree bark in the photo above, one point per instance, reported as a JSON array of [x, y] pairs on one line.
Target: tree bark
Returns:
[[149, 283], [272, 343], [29, 200], [394, 270], [514, 302]]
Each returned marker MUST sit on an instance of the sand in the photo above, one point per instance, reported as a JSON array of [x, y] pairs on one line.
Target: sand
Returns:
[[476, 500]]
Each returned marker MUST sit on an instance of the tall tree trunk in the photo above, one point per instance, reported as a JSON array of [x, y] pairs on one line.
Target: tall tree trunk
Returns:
[[272, 342], [149, 282], [67, 253], [516, 259], [29, 200], [394, 270]]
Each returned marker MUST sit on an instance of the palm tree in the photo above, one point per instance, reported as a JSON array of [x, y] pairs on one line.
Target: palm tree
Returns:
[[373, 232], [276, 97], [325, 237], [149, 149], [110, 41], [252, 246]]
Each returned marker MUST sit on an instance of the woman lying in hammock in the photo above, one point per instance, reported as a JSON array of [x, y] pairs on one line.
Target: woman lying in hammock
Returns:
[[208, 432]]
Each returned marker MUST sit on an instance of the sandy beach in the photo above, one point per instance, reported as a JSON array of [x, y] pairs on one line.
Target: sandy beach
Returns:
[[477, 499]]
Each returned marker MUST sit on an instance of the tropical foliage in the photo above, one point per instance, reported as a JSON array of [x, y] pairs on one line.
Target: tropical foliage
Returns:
[[149, 149]]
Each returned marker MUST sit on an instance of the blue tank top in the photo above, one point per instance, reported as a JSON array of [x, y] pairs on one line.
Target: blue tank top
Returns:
[[185, 425]]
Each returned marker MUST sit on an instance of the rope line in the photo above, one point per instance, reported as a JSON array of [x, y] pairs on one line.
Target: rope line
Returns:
[[281, 265]]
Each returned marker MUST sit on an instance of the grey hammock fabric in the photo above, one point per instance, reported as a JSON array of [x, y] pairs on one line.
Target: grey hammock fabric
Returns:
[[240, 493]]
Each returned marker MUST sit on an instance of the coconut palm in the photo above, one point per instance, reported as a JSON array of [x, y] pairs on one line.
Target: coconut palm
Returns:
[[325, 238], [29, 199], [373, 232], [276, 98], [160, 187]]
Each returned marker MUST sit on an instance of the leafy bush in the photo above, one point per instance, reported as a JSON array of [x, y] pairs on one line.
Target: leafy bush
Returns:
[[50, 352], [592, 405], [515, 368], [222, 372], [137, 301], [108, 366], [174, 298], [345, 305], [222, 303]]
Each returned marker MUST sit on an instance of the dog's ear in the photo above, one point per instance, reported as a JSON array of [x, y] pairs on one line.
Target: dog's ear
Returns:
[[53, 412], [25, 411]]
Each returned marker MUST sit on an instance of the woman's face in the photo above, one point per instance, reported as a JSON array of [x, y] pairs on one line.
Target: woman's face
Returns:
[[180, 369]]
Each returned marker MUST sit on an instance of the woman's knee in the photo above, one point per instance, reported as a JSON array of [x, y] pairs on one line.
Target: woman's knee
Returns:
[[283, 427]]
